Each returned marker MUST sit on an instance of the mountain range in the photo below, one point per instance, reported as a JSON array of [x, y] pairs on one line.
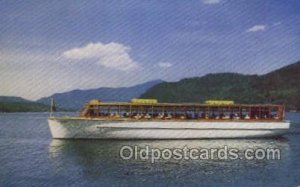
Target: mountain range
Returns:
[[18, 104], [281, 86]]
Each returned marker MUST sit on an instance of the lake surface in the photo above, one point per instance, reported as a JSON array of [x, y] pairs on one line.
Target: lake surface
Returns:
[[30, 157]]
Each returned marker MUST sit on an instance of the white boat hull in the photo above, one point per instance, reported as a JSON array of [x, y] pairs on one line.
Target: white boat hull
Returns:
[[104, 129]]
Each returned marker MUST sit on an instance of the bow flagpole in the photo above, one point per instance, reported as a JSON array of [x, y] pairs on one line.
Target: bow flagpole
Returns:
[[52, 107]]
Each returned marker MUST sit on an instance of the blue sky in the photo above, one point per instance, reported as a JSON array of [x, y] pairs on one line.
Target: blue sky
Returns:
[[55, 46]]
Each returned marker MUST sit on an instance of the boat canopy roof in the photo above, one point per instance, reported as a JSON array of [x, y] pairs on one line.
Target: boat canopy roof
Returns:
[[178, 104]]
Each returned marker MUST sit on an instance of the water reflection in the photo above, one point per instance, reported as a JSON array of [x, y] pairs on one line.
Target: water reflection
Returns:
[[100, 161]]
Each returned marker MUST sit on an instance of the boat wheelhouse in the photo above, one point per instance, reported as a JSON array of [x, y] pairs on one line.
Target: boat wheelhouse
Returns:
[[149, 119]]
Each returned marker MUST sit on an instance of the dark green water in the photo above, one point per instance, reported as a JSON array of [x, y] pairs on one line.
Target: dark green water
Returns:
[[29, 157]]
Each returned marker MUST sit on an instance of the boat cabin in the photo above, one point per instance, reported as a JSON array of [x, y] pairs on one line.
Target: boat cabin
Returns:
[[147, 109]]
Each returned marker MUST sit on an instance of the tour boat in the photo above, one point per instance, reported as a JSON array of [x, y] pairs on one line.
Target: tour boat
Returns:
[[148, 119]]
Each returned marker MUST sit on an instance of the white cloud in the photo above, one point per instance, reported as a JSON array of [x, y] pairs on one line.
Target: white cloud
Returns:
[[164, 65], [112, 55], [257, 28], [210, 2]]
